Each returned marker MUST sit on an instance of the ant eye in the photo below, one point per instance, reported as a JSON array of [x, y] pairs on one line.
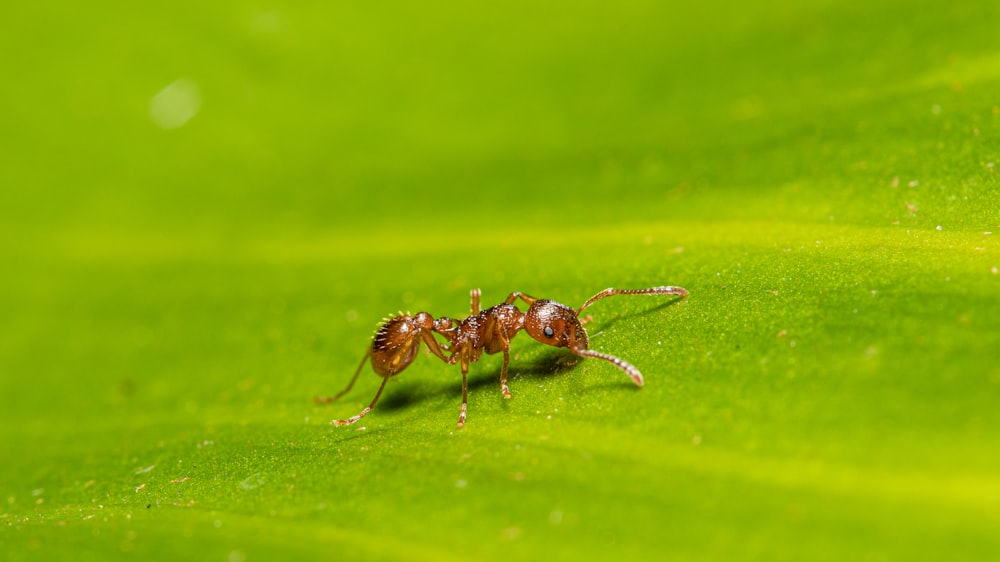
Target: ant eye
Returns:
[[549, 332]]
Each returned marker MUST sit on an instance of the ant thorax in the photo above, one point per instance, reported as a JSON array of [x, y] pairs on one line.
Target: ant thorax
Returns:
[[476, 333]]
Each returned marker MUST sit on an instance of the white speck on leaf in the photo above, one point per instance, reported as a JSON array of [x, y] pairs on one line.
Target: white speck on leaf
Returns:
[[175, 105], [252, 482]]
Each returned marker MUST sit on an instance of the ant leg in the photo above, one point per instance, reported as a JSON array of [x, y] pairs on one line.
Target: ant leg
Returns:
[[503, 373], [350, 385], [474, 296], [528, 299], [497, 328], [433, 345], [465, 393], [610, 291], [445, 327], [349, 421]]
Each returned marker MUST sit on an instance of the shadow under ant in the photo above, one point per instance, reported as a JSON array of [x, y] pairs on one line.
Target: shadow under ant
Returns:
[[554, 362]]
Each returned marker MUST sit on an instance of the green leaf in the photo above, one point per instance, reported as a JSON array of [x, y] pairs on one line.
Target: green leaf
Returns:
[[208, 208]]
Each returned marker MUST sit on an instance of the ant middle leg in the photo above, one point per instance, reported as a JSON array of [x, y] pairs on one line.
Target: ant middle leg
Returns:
[[474, 297], [465, 393], [503, 374]]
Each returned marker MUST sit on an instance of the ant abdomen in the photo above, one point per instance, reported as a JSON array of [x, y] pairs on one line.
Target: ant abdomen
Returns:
[[396, 343]]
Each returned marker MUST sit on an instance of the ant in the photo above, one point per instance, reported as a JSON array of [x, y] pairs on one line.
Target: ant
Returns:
[[397, 340]]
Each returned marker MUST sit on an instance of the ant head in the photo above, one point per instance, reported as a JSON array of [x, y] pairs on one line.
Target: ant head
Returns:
[[555, 324]]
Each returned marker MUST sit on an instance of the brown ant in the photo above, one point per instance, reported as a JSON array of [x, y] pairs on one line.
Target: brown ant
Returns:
[[397, 340]]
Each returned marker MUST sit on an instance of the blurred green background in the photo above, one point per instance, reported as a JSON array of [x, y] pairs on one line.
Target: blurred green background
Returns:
[[205, 208]]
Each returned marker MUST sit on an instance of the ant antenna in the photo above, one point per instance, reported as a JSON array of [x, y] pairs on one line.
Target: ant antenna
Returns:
[[631, 371], [610, 291]]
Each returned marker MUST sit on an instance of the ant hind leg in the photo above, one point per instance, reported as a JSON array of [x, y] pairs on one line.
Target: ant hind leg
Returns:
[[349, 421], [350, 385]]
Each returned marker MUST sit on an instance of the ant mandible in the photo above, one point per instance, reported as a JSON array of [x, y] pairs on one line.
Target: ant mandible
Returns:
[[397, 340]]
